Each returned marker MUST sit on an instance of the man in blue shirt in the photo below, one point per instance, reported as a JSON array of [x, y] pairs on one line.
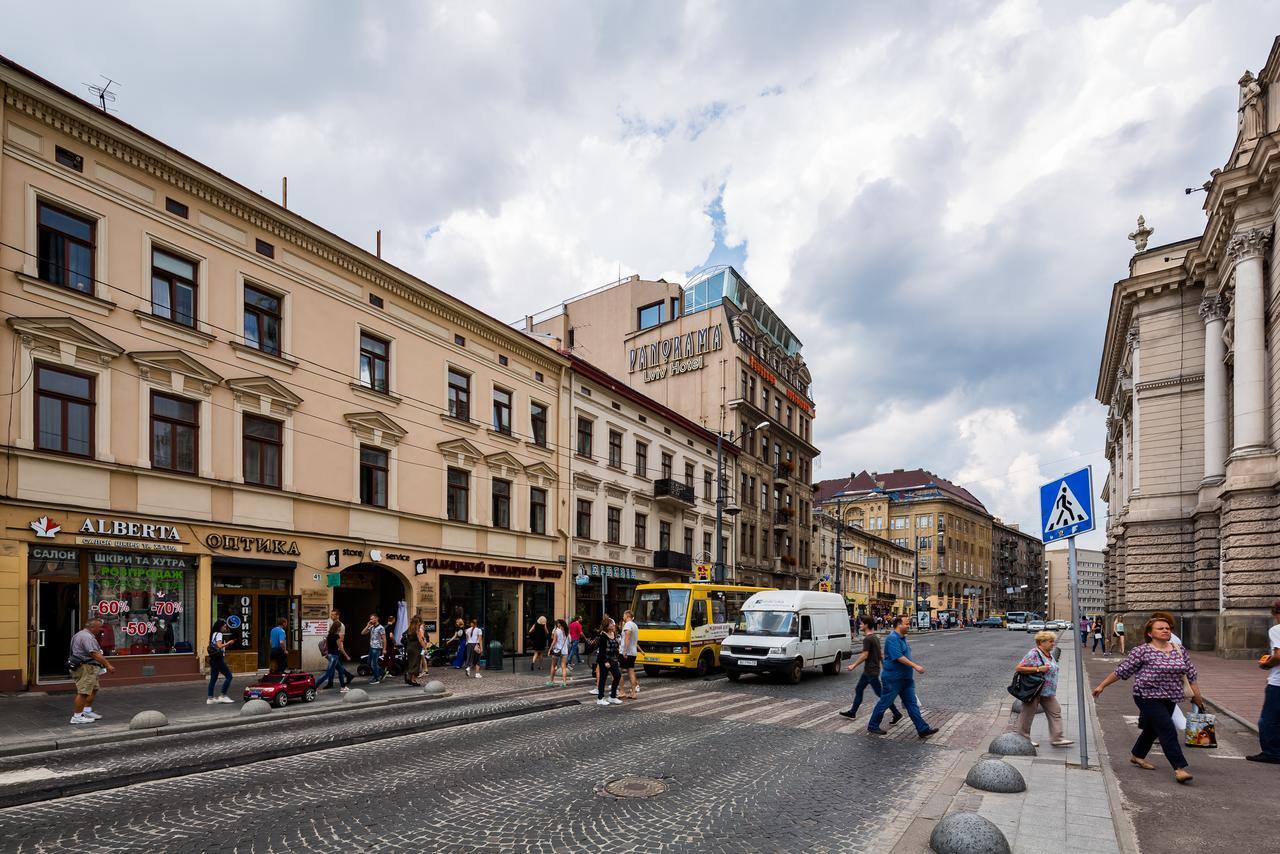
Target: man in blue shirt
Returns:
[[377, 639], [898, 679], [279, 652]]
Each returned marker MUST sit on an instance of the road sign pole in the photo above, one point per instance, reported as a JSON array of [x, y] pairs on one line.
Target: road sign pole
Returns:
[[1073, 579]]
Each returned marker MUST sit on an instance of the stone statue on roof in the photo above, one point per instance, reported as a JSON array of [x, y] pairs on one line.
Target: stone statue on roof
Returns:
[[1140, 235], [1252, 120]]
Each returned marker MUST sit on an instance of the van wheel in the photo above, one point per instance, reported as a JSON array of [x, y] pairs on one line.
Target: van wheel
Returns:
[[706, 661], [651, 670], [796, 671], [833, 668], [733, 675]]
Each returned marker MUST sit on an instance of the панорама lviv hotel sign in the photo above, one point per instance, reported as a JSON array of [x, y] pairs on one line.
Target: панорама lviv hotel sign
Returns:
[[675, 355]]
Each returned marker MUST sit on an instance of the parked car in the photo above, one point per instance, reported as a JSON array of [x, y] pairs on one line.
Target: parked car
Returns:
[[1036, 626], [786, 631], [1057, 625], [279, 688], [990, 623]]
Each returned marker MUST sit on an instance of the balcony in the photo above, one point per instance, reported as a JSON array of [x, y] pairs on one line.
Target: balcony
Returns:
[[782, 518], [673, 494], [667, 559], [783, 473]]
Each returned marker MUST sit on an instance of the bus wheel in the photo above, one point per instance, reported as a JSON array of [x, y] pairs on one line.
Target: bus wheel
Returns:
[[833, 667], [651, 670], [706, 661], [796, 671], [733, 675]]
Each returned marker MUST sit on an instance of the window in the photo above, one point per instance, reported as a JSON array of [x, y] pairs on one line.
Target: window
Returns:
[[175, 433], [706, 485], [265, 249], [173, 287], [459, 495], [688, 541], [502, 360], [176, 207], [65, 248], [615, 449], [642, 531], [751, 391], [743, 392], [706, 541], [375, 360], [263, 443], [751, 492], [537, 510], [538, 423], [664, 536], [764, 400], [459, 340], [642, 459], [460, 396], [373, 476], [614, 526], [764, 496], [262, 320], [777, 409], [584, 519], [64, 411], [898, 523], [501, 503], [584, 437], [924, 521], [502, 411], [688, 475], [69, 159], [789, 414], [650, 315], [666, 466]]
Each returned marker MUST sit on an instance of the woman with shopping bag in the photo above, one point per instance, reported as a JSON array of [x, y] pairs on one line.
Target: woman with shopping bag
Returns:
[[1040, 662], [1158, 669]]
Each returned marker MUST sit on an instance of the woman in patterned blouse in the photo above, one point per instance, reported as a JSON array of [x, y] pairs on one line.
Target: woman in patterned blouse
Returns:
[[1158, 667], [1040, 661]]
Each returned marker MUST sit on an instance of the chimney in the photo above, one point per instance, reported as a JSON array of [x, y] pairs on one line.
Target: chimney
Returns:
[[528, 323], [379, 243]]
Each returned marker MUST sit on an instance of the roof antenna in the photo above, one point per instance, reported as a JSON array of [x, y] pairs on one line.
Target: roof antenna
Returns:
[[104, 93]]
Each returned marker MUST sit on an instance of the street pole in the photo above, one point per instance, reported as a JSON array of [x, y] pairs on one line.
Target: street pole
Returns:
[[1073, 580], [915, 593], [718, 572], [839, 540]]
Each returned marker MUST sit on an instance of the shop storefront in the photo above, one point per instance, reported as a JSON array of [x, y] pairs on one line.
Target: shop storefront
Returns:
[[610, 588], [253, 596], [506, 600]]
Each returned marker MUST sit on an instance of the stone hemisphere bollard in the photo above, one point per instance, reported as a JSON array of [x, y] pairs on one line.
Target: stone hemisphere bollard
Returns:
[[1011, 744], [967, 833], [254, 707], [995, 775], [356, 695], [150, 719], [433, 688], [1017, 707]]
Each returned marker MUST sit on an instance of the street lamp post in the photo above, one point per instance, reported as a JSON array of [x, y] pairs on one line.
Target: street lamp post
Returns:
[[718, 571]]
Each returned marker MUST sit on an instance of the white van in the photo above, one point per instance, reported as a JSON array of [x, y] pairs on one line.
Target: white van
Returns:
[[785, 631]]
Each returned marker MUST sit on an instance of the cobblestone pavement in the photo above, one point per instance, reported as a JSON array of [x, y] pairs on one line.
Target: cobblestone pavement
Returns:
[[746, 768]]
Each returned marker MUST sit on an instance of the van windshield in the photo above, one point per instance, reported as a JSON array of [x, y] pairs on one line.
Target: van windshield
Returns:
[[768, 623], [661, 609]]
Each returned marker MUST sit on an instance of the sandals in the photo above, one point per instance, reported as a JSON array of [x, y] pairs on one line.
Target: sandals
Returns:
[[1062, 743], [1182, 775], [1141, 763]]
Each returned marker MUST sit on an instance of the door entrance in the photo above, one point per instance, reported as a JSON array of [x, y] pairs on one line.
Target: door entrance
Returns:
[[270, 609], [57, 619], [366, 588]]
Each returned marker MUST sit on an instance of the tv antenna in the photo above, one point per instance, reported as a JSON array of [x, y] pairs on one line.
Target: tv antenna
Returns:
[[103, 92]]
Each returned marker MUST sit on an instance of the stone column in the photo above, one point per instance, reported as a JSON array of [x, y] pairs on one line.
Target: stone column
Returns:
[[1135, 411], [1213, 313], [1247, 249]]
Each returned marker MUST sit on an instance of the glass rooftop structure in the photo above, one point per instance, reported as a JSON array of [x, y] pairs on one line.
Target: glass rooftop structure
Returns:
[[726, 283]]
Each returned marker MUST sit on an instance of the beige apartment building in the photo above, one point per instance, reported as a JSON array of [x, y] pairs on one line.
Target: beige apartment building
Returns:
[[217, 409], [714, 351], [874, 575], [1190, 373], [944, 524], [1091, 567], [642, 493]]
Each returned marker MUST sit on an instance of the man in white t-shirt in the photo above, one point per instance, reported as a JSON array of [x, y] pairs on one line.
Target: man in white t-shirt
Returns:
[[1269, 722], [630, 648]]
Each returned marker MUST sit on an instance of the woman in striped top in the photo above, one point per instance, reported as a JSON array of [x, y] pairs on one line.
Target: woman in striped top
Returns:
[[1158, 668]]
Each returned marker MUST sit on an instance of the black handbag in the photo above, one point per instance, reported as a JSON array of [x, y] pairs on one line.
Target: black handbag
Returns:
[[1026, 686]]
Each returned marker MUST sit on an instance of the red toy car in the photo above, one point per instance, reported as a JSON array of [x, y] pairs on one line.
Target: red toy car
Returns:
[[279, 688]]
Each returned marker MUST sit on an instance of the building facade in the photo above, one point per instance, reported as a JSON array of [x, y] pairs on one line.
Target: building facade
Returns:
[[1017, 569], [875, 576], [1091, 568], [1189, 373], [714, 351], [217, 409], [643, 496]]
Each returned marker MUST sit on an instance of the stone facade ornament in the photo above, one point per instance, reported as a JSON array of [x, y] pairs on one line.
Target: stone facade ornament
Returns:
[[1213, 308], [1252, 121], [1131, 338], [1251, 243], [1140, 235]]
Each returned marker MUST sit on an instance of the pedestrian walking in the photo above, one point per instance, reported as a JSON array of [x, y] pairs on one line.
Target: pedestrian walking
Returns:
[[218, 644], [459, 641], [475, 647], [336, 653], [538, 637], [1039, 660], [1269, 721], [1084, 630], [559, 654], [1158, 667], [414, 644], [1118, 631], [898, 680], [279, 651], [1098, 637], [870, 659], [630, 651], [575, 641], [87, 664], [377, 635], [607, 654]]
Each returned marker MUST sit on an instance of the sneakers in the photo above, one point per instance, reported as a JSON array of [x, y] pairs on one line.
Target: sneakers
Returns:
[[549, 684], [614, 701], [211, 701], [600, 702], [80, 719], [344, 689], [225, 699], [373, 681], [478, 676]]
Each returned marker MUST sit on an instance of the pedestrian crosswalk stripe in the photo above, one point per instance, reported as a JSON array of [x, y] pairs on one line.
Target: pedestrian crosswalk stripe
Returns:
[[752, 704]]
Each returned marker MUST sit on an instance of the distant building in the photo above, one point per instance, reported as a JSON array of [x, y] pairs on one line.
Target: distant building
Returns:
[[874, 575], [1017, 569], [1091, 566]]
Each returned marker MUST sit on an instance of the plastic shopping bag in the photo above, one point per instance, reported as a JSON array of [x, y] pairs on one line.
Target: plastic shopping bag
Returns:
[[1202, 729]]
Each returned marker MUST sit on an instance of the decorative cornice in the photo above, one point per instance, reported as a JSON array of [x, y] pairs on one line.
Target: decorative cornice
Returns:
[[1174, 381], [1252, 243]]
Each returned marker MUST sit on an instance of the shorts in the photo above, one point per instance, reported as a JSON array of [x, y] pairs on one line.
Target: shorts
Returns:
[[556, 655], [1120, 634], [87, 676], [628, 662]]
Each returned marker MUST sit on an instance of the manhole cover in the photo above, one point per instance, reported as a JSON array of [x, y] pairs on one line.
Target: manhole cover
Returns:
[[635, 787]]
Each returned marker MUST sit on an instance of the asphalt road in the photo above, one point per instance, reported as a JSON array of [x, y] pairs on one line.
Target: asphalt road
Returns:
[[751, 766]]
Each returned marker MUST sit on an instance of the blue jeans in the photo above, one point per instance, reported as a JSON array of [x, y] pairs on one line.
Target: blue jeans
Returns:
[[1269, 723], [575, 654], [375, 663], [1097, 642], [892, 689], [873, 682], [218, 666], [336, 669]]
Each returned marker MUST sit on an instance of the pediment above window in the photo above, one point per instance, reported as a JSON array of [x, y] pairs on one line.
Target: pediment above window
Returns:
[[460, 451], [541, 473], [264, 388], [375, 427], [65, 336], [176, 368], [586, 483], [504, 464]]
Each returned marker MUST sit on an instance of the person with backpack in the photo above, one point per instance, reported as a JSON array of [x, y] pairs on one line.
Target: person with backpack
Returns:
[[475, 648], [335, 652], [607, 654], [218, 663]]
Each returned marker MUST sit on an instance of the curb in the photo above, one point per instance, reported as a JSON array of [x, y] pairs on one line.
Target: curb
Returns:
[[1251, 725], [117, 781]]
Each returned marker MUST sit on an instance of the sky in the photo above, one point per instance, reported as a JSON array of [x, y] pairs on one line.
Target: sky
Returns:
[[935, 197]]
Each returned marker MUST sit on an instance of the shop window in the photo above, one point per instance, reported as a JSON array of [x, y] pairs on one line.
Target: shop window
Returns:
[[538, 423], [173, 287], [615, 525], [459, 395], [64, 411], [537, 510], [375, 362], [373, 476], [262, 320], [175, 433], [65, 248], [459, 496], [146, 602], [501, 503], [502, 411], [583, 527], [263, 446]]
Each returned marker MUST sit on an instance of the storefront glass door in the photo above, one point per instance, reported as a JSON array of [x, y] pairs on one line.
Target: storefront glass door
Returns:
[[57, 619], [502, 614], [538, 603]]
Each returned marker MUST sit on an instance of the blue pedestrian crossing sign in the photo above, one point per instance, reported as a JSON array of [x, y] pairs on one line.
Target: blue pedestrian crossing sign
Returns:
[[1066, 506]]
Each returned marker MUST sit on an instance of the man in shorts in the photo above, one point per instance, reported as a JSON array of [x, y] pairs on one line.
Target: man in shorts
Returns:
[[630, 648], [87, 660]]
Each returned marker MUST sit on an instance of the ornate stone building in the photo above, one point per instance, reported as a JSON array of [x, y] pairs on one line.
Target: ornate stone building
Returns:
[[1189, 371]]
